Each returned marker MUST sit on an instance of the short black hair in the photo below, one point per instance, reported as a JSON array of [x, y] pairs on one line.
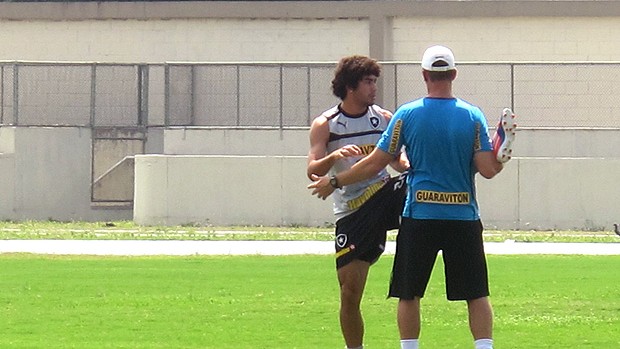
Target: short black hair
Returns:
[[442, 75]]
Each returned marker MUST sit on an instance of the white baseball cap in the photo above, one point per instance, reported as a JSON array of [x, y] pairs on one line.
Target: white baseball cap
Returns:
[[438, 58]]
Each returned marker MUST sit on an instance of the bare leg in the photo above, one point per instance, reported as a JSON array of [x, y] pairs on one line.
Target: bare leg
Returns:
[[480, 318], [408, 318], [352, 278]]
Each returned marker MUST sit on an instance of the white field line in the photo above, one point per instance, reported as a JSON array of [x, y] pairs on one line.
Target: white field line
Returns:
[[155, 232], [185, 247]]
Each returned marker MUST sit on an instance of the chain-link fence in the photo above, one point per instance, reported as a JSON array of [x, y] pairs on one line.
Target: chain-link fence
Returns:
[[288, 94]]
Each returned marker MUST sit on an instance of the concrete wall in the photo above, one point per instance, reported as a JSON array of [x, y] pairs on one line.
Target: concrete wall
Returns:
[[561, 142], [225, 190], [7, 180], [46, 172], [531, 193], [212, 31], [48, 176], [511, 38], [7, 172], [185, 40], [217, 141], [561, 179], [554, 193]]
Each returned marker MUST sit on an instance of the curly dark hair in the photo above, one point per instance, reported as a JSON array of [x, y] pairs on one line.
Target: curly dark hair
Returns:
[[350, 71]]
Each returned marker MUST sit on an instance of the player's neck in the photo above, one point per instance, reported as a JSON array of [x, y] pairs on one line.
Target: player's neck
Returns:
[[439, 89], [352, 108]]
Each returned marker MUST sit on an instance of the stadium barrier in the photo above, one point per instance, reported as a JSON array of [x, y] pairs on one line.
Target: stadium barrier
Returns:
[[530, 194]]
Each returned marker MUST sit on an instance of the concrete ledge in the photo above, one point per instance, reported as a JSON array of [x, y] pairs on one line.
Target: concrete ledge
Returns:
[[7, 191], [552, 194], [301, 9], [531, 193], [225, 190]]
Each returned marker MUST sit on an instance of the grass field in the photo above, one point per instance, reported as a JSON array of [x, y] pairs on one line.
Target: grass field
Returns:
[[288, 302], [126, 230], [285, 301]]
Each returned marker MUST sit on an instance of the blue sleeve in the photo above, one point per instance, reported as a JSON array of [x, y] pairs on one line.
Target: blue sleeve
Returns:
[[483, 138], [391, 140]]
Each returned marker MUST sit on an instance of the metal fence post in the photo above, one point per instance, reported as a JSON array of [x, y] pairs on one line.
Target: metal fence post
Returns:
[[166, 95], [238, 95], [15, 94], [143, 95], [1, 94], [192, 95], [308, 100], [281, 98], [512, 86], [93, 93]]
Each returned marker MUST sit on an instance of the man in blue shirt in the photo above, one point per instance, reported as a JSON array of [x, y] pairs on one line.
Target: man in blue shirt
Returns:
[[447, 143]]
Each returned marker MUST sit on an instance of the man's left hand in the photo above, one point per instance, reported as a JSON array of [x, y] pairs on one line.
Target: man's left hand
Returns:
[[321, 186]]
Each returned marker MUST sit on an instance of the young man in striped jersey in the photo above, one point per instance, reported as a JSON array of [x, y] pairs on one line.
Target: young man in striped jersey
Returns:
[[365, 211]]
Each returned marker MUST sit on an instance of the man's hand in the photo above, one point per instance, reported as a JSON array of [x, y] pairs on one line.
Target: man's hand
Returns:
[[320, 163], [349, 150], [322, 187]]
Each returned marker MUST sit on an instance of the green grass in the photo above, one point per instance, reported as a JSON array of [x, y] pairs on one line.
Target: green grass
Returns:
[[126, 230], [288, 302]]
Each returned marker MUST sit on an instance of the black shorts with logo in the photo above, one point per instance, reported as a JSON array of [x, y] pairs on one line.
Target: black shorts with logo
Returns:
[[417, 246], [362, 234]]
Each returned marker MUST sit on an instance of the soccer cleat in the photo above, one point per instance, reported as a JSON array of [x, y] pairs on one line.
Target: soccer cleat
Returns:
[[504, 136]]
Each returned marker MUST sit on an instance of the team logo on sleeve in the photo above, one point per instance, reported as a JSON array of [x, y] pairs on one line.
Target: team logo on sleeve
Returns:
[[395, 136], [374, 121], [477, 144]]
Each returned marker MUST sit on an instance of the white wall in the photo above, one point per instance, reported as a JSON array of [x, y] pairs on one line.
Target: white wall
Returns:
[[210, 31], [217, 141], [46, 172], [530, 193], [561, 179], [49, 176], [568, 193], [510, 39], [183, 40], [7, 194], [225, 190], [561, 142]]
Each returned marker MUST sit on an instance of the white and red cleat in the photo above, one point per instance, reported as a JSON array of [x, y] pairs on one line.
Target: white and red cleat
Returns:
[[504, 136]]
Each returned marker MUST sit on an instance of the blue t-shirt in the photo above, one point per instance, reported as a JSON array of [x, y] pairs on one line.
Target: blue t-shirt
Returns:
[[441, 136]]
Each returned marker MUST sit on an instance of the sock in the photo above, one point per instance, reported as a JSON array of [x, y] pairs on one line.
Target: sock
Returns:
[[408, 344], [360, 347], [485, 343]]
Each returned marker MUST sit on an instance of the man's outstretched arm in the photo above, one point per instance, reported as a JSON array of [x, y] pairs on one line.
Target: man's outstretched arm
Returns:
[[369, 166]]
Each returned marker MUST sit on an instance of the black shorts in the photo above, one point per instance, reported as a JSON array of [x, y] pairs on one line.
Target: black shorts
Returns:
[[362, 234], [417, 246]]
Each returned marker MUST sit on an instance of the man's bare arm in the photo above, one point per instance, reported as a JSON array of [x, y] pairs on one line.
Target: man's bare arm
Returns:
[[364, 169], [487, 164], [319, 162], [400, 163]]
